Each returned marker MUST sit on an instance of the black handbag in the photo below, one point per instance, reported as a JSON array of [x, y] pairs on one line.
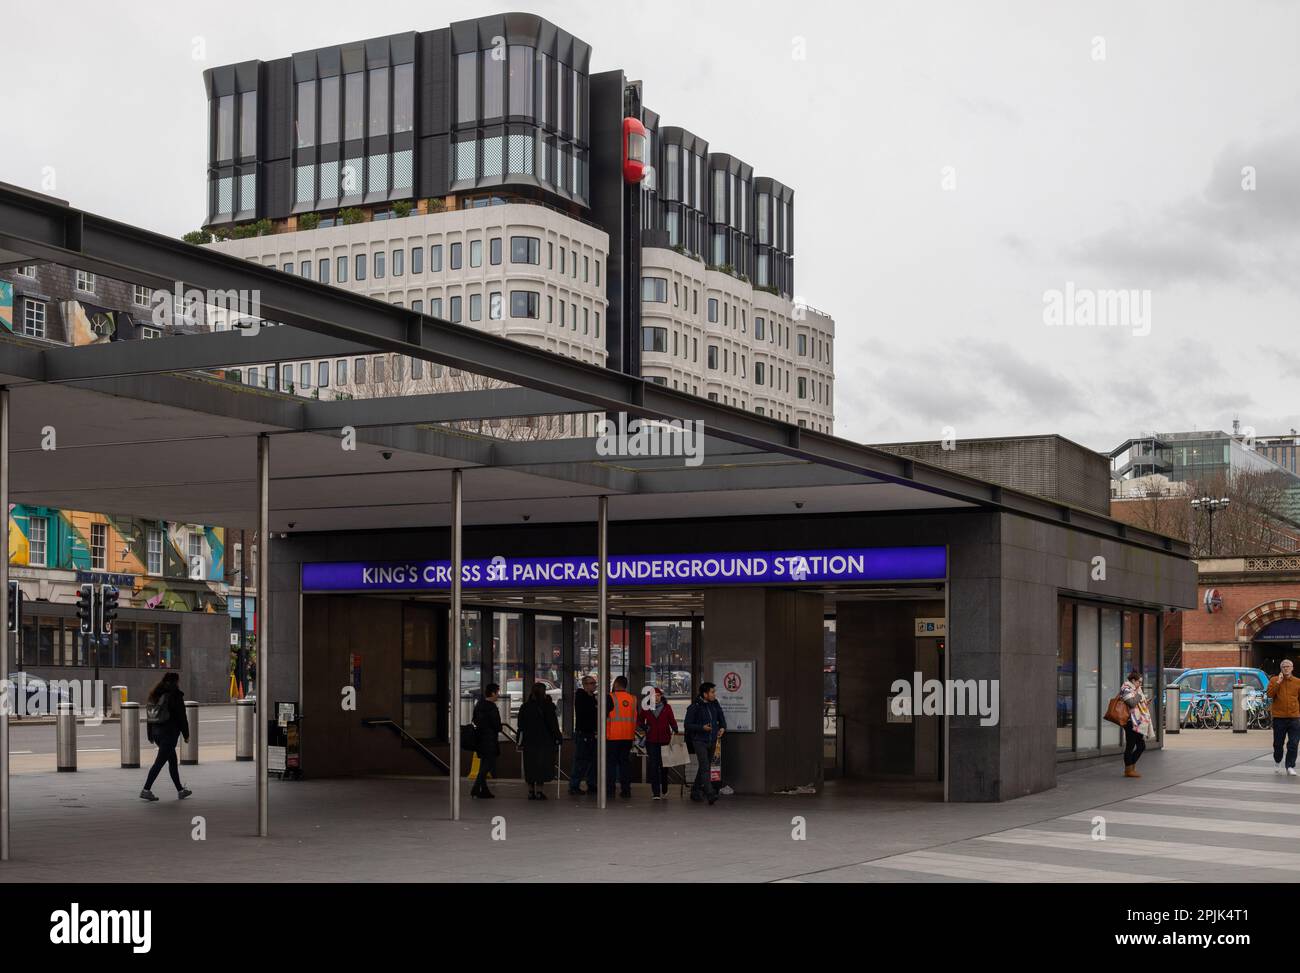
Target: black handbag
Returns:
[[468, 737]]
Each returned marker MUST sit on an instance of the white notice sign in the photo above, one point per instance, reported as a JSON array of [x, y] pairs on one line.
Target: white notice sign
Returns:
[[735, 681], [931, 627]]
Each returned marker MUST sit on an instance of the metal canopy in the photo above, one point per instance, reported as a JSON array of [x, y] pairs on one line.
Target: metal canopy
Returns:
[[179, 446]]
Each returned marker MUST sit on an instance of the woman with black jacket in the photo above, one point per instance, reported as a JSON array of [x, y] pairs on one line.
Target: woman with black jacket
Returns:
[[539, 730], [167, 724]]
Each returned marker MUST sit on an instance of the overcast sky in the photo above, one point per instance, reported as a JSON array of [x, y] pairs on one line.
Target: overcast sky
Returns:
[[953, 163]]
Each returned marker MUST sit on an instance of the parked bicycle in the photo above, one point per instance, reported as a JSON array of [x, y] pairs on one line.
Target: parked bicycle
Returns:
[[1259, 713], [1203, 713]]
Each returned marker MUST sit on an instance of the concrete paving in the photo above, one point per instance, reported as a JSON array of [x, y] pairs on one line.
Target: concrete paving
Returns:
[[1198, 813]]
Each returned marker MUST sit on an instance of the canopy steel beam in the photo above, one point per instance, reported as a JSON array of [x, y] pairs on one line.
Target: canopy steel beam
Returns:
[[48, 230]]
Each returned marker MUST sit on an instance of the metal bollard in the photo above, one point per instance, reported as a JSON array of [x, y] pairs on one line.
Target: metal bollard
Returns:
[[1172, 701], [130, 735], [245, 724], [1239, 708], [116, 698], [190, 749], [65, 731]]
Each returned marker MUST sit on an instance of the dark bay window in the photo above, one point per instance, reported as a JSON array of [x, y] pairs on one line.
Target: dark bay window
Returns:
[[524, 304], [654, 289], [654, 339], [525, 250]]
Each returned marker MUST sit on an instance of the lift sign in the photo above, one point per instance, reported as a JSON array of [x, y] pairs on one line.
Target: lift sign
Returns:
[[750, 567]]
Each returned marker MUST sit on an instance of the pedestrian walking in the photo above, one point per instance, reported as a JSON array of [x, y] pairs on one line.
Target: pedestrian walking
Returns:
[[487, 720], [705, 725], [166, 724], [1139, 722], [584, 738], [660, 724], [539, 734], [620, 730], [1284, 690]]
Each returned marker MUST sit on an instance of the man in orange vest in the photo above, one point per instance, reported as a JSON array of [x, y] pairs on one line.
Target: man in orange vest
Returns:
[[620, 729]]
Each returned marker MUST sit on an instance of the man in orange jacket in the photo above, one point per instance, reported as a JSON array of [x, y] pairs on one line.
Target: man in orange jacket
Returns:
[[620, 730], [1284, 690]]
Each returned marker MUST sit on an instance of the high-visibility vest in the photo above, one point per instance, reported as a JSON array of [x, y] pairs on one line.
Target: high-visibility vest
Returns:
[[621, 722]]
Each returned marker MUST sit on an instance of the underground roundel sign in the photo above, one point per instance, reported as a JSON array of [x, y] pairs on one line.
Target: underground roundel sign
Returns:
[[731, 682]]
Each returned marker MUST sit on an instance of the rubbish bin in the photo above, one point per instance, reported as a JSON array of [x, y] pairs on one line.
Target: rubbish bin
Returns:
[[65, 732], [1239, 708], [1172, 697], [116, 698], [190, 748], [245, 724], [130, 735]]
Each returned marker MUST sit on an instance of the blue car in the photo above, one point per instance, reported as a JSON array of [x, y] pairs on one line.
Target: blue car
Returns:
[[1218, 682]]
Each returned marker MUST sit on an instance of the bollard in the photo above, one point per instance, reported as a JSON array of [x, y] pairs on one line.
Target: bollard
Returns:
[[116, 698], [1239, 708], [245, 724], [130, 735], [190, 750], [1172, 702], [65, 732]]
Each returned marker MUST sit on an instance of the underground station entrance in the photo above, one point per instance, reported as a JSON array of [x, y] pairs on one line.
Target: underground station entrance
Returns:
[[416, 546], [803, 673]]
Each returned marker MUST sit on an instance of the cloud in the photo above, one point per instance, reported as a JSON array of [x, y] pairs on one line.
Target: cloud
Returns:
[[1242, 228]]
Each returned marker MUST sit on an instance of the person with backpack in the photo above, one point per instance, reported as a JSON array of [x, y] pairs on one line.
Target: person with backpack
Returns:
[[660, 724], [487, 724], [165, 713], [540, 736], [705, 725]]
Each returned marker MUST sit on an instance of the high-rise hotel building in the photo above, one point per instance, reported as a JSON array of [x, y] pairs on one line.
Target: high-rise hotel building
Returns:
[[480, 173]]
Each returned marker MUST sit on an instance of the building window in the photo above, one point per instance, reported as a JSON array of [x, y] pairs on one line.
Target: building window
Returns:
[[379, 264], [435, 258], [85, 282], [455, 305], [28, 271], [494, 251], [524, 304], [494, 306], [476, 253], [760, 329], [33, 318], [194, 553], [712, 357], [358, 371], [417, 260], [713, 310], [361, 267], [525, 250], [654, 339], [341, 266], [476, 307], [399, 263], [454, 261], [153, 551], [654, 289], [801, 345], [140, 295], [304, 269], [323, 374], [341, 371]]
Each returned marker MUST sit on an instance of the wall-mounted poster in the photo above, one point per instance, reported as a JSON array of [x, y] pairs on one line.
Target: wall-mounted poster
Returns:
[[735, 682]]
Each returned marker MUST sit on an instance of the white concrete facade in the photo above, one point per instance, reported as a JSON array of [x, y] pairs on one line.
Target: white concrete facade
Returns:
[[566, 284], [715, 335]]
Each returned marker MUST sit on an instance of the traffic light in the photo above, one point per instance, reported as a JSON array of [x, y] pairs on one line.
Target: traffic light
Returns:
[[107, 609], [86, 608], [15, 606]]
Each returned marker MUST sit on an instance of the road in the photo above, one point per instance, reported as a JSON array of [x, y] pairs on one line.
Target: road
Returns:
[[216, 727]]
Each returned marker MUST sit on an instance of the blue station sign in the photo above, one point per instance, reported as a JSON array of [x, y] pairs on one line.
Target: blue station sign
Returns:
[[638, 570]]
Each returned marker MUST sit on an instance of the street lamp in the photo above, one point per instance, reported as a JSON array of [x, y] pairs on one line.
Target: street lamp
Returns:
[[1210, 505]]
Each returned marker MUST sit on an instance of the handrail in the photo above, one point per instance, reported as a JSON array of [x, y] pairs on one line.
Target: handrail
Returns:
[[401, 731]]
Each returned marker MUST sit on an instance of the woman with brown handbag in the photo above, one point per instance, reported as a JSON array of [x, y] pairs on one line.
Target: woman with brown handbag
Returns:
[[1138, 727]]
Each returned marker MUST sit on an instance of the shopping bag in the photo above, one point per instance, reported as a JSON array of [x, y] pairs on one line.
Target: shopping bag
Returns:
[[675, 754], [715, 765]]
